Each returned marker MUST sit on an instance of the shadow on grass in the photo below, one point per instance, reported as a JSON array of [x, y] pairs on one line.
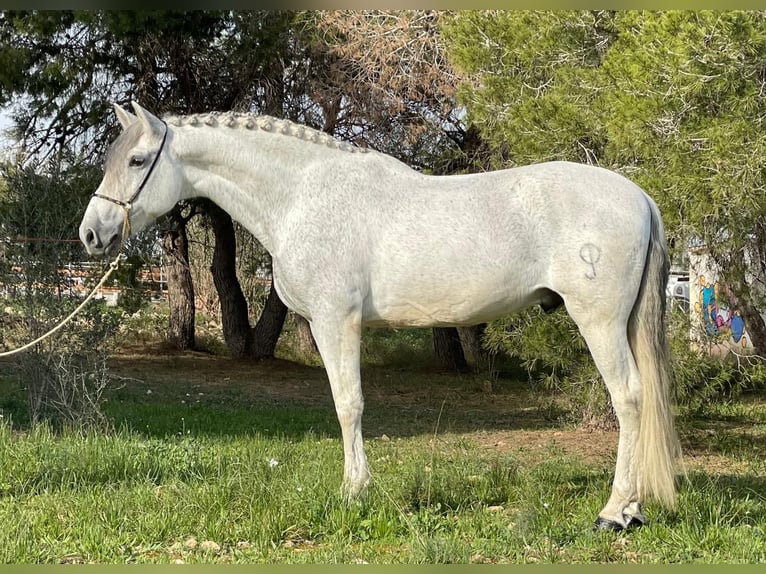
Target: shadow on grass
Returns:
[[203, 394], [293, 419], [215, 396]]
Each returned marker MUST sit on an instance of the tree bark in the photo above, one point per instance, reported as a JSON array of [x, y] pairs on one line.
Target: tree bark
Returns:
[[234, 319], [449, 351], [268, 328], [754, 323], [472, 347], [261, 341], [307, 346], [180, 286]]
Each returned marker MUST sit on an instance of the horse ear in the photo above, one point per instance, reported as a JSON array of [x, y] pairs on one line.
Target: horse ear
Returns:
[[125, 118], [150, 122]]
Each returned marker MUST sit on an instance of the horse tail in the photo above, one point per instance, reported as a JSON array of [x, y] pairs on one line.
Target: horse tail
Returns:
[[658, 448]]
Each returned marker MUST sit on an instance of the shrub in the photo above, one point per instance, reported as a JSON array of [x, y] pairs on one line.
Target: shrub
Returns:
[[557, 360], [64, 376]]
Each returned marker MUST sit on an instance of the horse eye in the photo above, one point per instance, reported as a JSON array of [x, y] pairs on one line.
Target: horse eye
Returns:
[[136, 161]]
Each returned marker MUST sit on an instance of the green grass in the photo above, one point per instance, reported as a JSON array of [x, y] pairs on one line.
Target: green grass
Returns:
[[219, 463]]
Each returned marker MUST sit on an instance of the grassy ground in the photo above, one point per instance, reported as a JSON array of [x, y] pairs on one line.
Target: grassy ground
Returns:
[[215, 461]]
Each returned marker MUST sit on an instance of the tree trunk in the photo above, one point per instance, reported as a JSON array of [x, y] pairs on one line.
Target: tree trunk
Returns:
[[471, 339], [234, 319], [180, 286], [754, 323], [756, 328], [449, 351], [307, 346], [268, 328]]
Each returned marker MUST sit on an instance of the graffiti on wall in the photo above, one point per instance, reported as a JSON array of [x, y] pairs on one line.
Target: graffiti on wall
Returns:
[[717, 307]]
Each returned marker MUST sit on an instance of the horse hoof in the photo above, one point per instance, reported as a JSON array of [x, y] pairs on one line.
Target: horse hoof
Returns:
[[614, 526], [606, 524]]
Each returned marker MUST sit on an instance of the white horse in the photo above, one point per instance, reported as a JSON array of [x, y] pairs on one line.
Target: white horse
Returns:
[[359, 238]]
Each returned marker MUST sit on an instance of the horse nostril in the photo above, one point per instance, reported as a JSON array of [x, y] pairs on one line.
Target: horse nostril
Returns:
[[92, 239]]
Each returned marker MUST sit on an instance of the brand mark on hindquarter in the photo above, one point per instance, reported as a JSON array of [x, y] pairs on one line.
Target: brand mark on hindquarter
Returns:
[[590, 254]]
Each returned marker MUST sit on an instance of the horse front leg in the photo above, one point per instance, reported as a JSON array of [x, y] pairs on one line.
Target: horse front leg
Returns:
[[338, 340]]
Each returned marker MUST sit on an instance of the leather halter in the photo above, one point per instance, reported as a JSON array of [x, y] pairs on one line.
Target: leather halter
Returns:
[[126, 205]]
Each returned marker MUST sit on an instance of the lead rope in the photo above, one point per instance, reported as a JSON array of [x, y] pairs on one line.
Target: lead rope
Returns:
[[112, 267]]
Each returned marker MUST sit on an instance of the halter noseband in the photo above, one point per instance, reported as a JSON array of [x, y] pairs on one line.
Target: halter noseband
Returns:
[[127, 205]]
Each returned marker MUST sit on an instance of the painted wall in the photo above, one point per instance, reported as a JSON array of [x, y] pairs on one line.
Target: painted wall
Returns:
[[716, 322]]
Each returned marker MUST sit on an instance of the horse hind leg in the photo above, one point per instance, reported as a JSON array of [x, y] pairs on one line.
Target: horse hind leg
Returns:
[[608, 344]]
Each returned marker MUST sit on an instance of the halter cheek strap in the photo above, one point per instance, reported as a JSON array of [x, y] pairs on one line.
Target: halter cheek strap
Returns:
[[127, 205]]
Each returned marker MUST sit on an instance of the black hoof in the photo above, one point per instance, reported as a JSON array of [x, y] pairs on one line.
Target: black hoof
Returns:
[[606, 524], [635, 523]]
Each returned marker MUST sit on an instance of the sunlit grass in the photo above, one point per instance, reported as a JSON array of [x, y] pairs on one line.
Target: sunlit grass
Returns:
[[181, 491], [199, 468]]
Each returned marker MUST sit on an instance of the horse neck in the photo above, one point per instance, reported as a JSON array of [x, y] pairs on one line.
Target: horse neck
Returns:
[[251, 174]]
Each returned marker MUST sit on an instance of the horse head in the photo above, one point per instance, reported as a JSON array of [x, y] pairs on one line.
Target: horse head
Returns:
[[139, 183]]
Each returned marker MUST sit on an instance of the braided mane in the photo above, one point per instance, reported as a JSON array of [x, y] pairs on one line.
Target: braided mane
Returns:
[[244, 121]]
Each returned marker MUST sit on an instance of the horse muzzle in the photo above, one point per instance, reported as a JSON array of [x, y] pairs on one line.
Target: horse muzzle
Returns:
[[99, 242]]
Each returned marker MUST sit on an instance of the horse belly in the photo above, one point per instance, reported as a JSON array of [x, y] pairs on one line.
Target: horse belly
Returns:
[[445, 305], [467, 268]]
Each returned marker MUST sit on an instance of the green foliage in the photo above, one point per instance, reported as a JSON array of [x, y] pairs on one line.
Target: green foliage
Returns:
[[557, 360], [672, 99], [32, 208], [683, 107], [547, 344], [551, 349], [132, 295], [397, 347], [67, 66], [533, 81], [64, 377]]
